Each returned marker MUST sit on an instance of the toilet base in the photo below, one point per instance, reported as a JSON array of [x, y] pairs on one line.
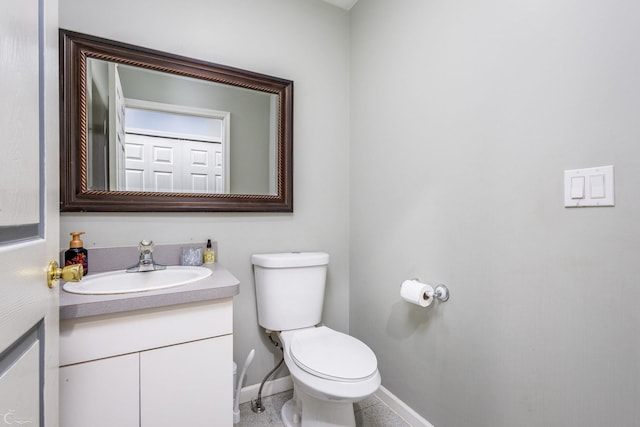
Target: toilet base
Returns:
[[306, 411], [288, 414]]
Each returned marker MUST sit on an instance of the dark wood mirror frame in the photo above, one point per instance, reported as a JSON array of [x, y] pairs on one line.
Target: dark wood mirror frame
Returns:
[[75, 196]]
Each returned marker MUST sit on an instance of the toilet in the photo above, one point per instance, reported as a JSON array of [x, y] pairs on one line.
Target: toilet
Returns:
[[330, 370]]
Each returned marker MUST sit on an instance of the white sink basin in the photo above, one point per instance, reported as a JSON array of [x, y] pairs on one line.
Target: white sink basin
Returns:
[[121, 282]]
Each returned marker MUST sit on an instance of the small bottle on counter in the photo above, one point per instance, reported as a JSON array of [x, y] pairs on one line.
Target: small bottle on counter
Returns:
[[209, 253], [76, 254]]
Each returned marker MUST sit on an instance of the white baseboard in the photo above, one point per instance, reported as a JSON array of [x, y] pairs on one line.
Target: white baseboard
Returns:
[[399, 407], [279, 385], [276, 386]]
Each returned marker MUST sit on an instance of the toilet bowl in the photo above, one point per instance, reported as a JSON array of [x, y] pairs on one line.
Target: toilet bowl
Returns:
[[330, 370]]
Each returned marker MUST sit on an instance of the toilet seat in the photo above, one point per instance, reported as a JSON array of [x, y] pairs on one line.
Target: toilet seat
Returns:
[[332, 355]]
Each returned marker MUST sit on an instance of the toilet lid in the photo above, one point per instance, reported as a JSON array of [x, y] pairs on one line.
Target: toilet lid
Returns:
[[329, 354]]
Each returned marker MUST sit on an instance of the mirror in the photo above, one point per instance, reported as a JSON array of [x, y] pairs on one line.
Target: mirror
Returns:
[[148, 131]]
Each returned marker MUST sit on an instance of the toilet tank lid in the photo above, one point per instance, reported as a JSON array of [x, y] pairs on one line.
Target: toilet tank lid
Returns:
[[290, 259]]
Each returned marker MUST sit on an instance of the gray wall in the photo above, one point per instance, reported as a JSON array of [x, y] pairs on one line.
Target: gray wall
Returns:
[[284, 38], [464, 116]]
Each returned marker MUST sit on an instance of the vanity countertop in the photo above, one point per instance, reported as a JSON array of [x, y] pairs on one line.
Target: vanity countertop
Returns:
[[221, 284]]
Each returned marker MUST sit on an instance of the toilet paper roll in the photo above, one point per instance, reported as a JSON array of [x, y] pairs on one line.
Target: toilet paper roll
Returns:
[[416, 292]]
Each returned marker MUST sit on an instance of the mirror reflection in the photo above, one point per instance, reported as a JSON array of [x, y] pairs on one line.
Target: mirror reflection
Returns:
[[143, 130], [151, 131]]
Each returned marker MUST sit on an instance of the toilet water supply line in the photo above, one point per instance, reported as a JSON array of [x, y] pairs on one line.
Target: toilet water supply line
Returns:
[[256, 405], [236, 398]]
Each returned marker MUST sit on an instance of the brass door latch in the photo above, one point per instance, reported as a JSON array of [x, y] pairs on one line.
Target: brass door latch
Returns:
[[70, 273]]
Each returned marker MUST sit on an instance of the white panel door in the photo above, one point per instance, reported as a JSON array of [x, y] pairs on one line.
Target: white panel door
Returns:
[[152, 164], [21, 385], [163, 165], [29, 195], [155, 163], [202, 167]]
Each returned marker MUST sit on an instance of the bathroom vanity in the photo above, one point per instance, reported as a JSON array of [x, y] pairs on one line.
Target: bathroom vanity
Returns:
[[150, 359]]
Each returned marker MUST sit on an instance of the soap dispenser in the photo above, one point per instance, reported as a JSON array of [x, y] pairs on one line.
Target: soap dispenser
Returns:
[[209, 254], [76, 254]]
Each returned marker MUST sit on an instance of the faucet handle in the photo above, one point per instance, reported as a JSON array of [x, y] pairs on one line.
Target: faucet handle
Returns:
[[145, 246]]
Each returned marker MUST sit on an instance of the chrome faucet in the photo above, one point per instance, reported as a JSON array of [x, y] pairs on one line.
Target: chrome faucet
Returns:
[[146, 262]]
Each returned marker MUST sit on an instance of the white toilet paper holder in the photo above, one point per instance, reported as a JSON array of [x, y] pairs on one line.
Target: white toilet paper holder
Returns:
[[441, 292]]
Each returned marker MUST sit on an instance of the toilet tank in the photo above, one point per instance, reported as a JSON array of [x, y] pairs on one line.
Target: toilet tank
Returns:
[[290, 289]]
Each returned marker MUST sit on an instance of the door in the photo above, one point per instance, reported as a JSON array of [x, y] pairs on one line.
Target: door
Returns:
[[152, 164], [116, 122], [28, 212], [175, 148], [160, 164], [202, 168]]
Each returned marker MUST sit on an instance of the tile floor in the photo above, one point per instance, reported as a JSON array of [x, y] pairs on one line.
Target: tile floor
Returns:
[[371, 412]]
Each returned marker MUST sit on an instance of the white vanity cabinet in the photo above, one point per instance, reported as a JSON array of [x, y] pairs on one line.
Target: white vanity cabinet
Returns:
[[156, 367], [188, 384], [101, 393]]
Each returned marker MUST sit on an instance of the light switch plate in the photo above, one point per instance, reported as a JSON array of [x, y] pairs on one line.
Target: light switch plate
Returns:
[[589, 187]]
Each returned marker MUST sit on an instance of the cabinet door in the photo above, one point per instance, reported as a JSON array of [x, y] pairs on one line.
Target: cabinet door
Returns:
[[101, 393], [188, 384]]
